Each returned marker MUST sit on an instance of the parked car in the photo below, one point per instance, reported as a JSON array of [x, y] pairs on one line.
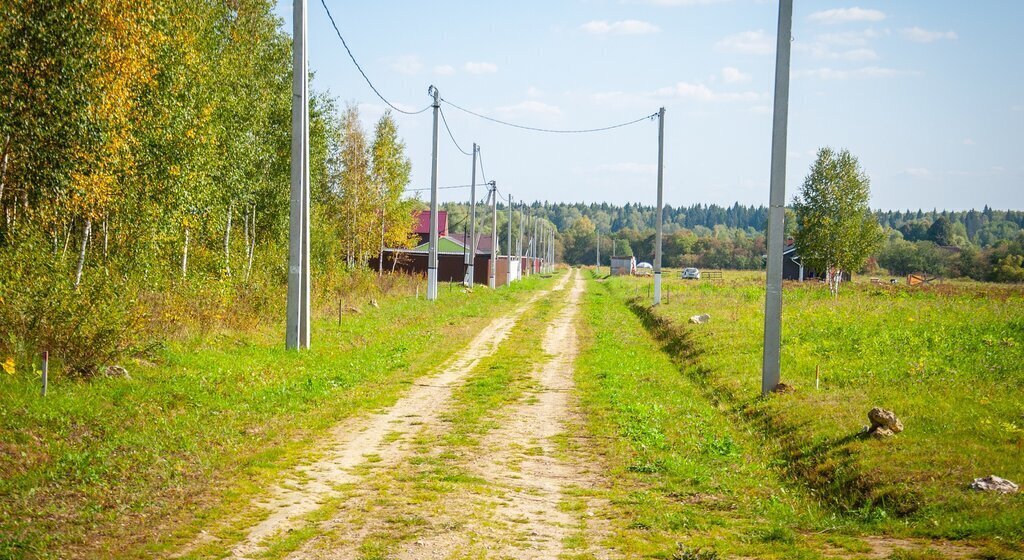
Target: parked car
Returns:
[[691, 274]]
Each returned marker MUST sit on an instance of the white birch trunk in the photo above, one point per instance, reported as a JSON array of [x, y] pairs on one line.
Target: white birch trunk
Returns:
[[227, 242], [81, 253], [3, 167], [184, 255], [252, 245]]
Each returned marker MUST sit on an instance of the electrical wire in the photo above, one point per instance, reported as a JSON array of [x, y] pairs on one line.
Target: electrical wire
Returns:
[[452, 136], [480, 161], [549, 130], [440, 188], [360, 68]]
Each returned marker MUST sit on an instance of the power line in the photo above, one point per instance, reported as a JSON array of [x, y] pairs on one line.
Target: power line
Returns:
[[360, 68], [439, 188], [452, 136], [550, 130], [480, 160]]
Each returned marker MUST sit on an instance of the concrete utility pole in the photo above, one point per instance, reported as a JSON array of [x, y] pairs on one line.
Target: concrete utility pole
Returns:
[[551, 248], [542, 248], [432, 254], [471, 242], [547, 249], [771, 363], [508, 274], [297, 308], [598, 262], [492, 277], [527, 254], [519, 243], [534, 245], [658, 229]]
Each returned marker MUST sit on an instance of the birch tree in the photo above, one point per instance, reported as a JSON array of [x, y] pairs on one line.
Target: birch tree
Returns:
[[836, 230]]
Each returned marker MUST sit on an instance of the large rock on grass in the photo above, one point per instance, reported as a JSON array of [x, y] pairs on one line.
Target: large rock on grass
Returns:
[[993, 483], [882, 418], [700, 319]]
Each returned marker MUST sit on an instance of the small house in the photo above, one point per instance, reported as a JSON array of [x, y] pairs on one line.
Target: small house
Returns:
[[623, 266], [793, 267], [453, 250]]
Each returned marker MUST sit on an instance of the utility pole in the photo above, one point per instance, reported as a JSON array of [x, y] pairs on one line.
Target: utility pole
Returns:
[[527, 253], [658, 229], [508, 273], [771, 362], [297, 308], [471, 242], [432, 254], [547, 249], [598, 251], [519, 245], [542, 248], [535, 245], [492, 277], [551, 248]]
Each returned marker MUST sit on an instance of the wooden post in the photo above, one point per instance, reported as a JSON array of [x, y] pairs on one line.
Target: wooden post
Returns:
[[46, 371], [340, 310], [817, 375]]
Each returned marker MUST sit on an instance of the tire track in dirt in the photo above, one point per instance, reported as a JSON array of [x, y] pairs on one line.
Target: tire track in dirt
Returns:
[[530, 474], [349, 444]]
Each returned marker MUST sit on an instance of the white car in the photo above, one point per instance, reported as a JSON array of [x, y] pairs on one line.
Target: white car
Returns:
[[691, 274]]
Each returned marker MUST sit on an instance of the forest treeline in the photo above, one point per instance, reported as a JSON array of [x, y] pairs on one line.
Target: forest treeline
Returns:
[[144, 172], [984, 244]]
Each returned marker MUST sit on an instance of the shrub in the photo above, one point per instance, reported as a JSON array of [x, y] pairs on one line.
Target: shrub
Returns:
[[41, 310]]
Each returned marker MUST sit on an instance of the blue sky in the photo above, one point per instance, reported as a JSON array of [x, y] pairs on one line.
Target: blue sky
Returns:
[[929, 95]]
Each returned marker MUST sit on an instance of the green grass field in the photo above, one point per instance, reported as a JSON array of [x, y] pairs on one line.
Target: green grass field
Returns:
[[948, 359], [110, 464]]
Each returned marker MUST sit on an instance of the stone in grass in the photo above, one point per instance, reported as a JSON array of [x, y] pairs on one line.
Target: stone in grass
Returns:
[[993, 483], [116, 371], [700, 319], [879, 432], [783, 388], [882, 418]]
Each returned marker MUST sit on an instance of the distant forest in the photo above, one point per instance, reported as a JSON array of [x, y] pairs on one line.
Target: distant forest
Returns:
[[984, 244]]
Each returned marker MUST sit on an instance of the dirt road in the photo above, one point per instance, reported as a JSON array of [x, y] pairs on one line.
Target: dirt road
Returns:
[[327, 509]]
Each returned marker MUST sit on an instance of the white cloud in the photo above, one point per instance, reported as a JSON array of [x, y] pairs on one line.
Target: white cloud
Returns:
[[865, 72], [684, 2], [624, 27], [747, 42], [851, 38], [761, 110], [407, 64], [534, 92], [444, 70], [968, 142], [734, 76], [533, 107], [918, 172], [701, 92], [680, 91], [481, 68], [629, 167], [1017, 108], [846, 15], [822, 51], [919, 35]]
